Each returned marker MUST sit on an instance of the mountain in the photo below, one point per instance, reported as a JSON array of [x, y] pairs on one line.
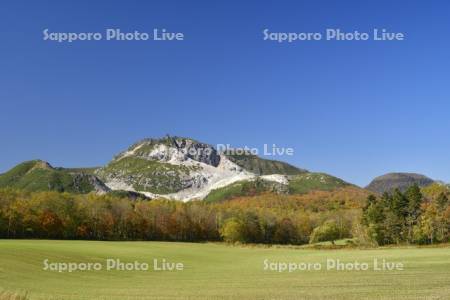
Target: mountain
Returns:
[[38, 175], [401, 181], [185, 169], [180, 168], [175, 168]]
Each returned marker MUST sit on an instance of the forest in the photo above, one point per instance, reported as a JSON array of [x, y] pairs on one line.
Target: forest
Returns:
[[415, 216]]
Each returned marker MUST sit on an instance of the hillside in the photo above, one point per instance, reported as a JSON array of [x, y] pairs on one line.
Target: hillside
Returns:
[[401, 181], [292, 185], [38, 175], [261, 166], [246, 188], [307, 182]]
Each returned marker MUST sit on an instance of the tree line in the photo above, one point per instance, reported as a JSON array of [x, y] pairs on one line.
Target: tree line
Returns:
[[408, 217], [52, 215], [396, 218]]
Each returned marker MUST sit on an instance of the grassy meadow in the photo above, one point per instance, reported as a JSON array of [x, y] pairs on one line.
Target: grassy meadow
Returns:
[[217, 271]]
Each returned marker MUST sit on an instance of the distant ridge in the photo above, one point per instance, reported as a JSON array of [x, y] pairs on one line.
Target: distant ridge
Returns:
[[39, 175], [184, 169]]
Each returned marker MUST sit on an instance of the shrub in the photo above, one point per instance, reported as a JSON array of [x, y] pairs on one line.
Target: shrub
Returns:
[[327, 232]]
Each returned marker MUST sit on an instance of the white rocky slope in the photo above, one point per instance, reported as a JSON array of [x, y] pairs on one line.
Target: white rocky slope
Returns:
[[209, 170], [212, 178]]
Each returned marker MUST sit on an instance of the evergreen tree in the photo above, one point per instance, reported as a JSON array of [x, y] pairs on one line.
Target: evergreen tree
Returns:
[[400, 204], [415, 198]]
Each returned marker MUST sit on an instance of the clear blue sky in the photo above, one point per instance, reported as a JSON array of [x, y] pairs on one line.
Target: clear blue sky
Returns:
[[352, 109]]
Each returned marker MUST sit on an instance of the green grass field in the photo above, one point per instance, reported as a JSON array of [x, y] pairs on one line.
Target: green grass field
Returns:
[[217, 271]]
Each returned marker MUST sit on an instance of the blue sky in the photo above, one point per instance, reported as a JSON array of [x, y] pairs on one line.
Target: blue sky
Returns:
[[352, 109]]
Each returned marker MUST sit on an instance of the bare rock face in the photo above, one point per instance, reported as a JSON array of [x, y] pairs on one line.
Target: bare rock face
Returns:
[[174, 150], [198, 151], [389, 182]]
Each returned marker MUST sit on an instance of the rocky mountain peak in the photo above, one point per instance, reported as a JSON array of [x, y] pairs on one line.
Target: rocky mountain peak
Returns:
[[174, 150]]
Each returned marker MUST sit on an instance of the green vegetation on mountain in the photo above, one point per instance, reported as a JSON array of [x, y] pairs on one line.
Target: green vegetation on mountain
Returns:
[[146, 175], [37, 175], [261, 166], [304, 183], [297, 185], [90, 171], [228, 192], [244, 188]]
